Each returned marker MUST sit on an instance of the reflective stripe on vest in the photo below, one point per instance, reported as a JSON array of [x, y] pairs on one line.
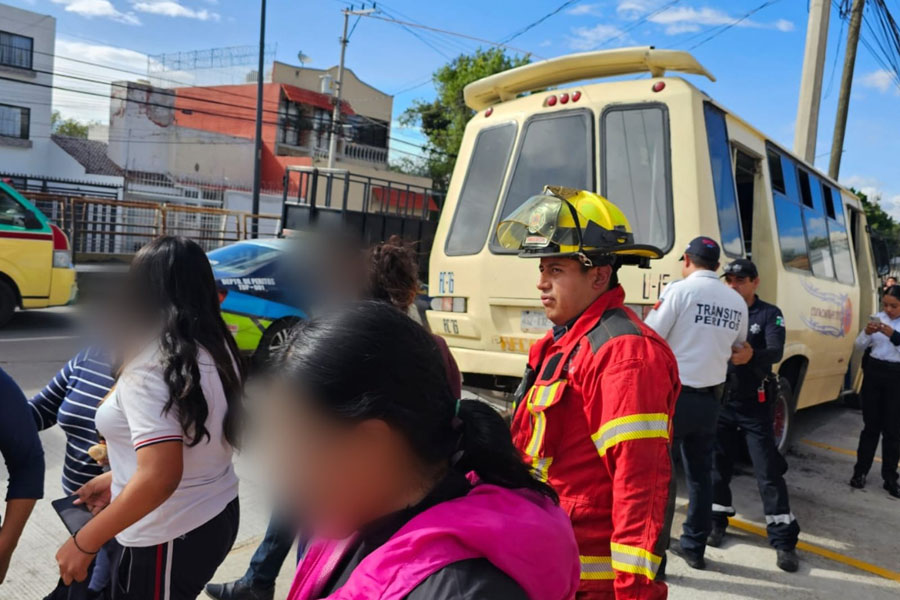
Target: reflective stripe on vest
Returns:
[[631, 559], [597, 567], [632, 427], [537, 399]]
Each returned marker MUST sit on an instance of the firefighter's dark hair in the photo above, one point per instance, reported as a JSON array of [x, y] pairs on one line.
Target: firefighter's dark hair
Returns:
[[370, 361]]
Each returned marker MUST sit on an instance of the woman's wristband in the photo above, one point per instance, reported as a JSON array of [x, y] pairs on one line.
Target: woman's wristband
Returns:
[[80, 549]]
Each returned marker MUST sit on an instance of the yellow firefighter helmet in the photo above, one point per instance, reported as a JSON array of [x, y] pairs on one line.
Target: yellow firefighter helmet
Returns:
[[568, 222]]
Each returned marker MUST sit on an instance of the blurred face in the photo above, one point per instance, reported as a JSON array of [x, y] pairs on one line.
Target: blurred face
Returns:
[[567, 290], [890, 281], [335, 477], [891, 306], [745, 286]]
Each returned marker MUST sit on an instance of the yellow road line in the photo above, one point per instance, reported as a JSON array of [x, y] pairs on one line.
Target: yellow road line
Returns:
[[837, 449], [823, 552]]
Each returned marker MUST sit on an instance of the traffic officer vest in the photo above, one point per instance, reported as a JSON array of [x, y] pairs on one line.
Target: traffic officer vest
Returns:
[[593, 420]]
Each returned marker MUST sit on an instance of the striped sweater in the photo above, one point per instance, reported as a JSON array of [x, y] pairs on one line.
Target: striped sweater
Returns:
[[71, 399]]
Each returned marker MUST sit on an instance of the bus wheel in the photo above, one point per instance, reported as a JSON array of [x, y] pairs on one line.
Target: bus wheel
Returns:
[[7, 303], [783, 417], [273, 339]]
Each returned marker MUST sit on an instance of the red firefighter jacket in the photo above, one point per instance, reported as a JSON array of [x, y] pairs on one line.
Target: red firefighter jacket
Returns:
[[594, 421]]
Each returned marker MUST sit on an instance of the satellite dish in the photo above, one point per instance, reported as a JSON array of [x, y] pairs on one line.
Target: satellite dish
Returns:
[[303, 58]]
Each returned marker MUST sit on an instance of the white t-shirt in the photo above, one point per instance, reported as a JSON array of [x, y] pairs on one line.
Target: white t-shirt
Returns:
[[132, 418], [702, 319]]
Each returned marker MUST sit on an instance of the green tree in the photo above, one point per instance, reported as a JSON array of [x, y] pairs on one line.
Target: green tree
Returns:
[[876, 216], [67, 127], [443, 120]]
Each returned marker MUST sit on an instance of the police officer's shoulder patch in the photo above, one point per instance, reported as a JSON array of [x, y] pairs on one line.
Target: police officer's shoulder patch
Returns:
[[779, 321]]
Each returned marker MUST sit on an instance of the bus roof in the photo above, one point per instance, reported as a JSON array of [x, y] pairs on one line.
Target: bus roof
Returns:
[[575, 67]]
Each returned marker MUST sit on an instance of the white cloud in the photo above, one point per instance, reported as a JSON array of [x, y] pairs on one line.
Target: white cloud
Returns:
[[98, 8], [582, 10], [588, 38], [170, 8], [546, 44], [881, 80], [684, 19]]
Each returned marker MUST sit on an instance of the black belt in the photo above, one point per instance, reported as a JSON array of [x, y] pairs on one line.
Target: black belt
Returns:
[[885, 365], [704, 390]]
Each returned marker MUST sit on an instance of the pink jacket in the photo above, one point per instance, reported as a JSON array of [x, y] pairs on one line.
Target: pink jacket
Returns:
[[520, 532]]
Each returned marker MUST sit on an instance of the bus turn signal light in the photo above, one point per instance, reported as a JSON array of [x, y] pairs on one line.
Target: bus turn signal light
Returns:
[[449, 304]]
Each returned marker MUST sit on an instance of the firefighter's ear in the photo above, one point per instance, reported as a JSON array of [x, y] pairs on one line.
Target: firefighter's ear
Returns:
[[601, 277]]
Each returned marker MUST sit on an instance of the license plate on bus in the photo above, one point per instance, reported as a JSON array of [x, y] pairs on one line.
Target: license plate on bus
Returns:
[[535, 321]]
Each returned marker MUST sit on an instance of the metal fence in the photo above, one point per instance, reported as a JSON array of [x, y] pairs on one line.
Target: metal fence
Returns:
[[101, 228]]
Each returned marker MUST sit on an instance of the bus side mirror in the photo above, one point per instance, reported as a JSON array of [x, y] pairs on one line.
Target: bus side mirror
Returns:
[[31, 221]]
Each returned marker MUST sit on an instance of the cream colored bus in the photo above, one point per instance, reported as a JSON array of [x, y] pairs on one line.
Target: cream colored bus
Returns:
[[679, 165]]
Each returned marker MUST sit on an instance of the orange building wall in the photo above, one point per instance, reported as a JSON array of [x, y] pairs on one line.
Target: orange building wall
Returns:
[[234, 113]]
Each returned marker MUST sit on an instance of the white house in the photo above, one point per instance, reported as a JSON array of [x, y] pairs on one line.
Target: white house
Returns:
[[27, 45]]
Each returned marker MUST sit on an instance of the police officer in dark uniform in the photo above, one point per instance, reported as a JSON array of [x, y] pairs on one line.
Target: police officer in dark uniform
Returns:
[[747, 413]]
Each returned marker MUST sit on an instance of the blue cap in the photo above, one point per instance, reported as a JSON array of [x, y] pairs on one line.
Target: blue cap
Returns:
[[704, 248]]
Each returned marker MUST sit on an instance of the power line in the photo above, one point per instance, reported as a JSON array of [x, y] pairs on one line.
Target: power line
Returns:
[[531, 26], [454, 33], [195, 110], [744, 17], [640, 22]]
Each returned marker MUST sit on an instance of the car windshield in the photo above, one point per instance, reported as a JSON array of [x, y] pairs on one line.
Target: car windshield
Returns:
[[239, 260]]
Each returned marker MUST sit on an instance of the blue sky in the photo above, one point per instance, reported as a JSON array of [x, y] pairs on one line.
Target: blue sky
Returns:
[[757, 62]]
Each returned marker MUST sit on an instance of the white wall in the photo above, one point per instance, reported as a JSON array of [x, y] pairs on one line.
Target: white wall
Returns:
[[31, 157]]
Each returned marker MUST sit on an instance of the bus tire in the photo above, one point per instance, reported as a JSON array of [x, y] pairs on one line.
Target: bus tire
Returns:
[[275, 336], [784, 413], [7, 303]]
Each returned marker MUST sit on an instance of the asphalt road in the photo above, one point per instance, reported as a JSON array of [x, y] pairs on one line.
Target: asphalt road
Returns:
[[849, 533]]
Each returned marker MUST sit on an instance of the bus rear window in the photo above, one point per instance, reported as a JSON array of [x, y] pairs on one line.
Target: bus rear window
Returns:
[[636, 170], [481, 190], [556, 150]]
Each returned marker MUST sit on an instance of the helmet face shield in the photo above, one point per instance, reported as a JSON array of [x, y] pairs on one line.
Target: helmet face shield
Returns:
[[534, 226]]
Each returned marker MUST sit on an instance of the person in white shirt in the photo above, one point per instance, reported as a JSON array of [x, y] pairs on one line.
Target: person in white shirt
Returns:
[[881, 394], [170, 424], [705, 323]]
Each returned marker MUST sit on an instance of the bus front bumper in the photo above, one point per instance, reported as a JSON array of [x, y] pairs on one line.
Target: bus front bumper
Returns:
[[486, 362]]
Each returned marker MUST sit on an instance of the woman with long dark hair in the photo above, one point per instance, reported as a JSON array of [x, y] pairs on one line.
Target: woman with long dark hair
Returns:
[[428, 492], [881, 394], [170, 424]]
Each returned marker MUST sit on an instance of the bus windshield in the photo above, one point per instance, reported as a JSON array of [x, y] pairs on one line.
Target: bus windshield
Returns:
[[558, 149]]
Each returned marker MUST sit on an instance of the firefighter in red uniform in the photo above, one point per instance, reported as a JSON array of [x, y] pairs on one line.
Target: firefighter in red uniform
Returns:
[[595, 406]]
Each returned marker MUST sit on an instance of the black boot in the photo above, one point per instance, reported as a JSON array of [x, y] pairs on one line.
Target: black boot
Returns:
[[715, 536], [787, 560], [892, 488], [238, 590], [858, 481], [694, 561]]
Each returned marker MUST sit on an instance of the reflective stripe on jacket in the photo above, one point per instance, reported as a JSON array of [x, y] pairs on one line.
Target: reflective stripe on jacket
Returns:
[[594, 421]]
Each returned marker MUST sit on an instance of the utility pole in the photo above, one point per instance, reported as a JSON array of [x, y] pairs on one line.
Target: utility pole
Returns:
[[257, 154], [811, 80], [336, 113], [843, 107]]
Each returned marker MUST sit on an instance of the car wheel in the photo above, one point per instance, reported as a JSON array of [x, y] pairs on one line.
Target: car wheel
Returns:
[[783, 417], [7, 303], [274, 338]]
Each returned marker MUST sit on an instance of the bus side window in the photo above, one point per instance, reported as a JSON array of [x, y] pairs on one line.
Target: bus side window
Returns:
[[788, 213], [837, 234], [723, 181], [816, 227], [746, 170]]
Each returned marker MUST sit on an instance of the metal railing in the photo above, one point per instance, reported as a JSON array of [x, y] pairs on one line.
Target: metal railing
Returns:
[[365, 153], [101, 228]]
